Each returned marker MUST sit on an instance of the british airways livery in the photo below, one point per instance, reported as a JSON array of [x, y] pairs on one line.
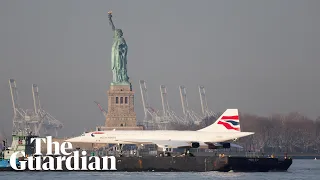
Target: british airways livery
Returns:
[[226, 127]]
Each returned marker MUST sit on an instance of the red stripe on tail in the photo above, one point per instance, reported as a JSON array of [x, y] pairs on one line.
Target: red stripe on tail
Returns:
[[231, 117], [228, 126]]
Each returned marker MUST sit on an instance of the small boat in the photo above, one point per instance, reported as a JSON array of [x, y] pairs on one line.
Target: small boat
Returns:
[[20, 142], [315, 158], [4, 160], [5, 164]]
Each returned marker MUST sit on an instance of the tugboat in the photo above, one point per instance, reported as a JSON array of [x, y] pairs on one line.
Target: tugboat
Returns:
[[4, 163], [20, 142]]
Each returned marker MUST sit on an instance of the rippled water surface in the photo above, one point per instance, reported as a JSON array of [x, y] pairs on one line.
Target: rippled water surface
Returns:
[[300, 169]]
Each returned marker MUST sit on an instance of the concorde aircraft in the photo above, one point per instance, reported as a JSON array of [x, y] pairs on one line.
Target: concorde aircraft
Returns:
[[225, 128]]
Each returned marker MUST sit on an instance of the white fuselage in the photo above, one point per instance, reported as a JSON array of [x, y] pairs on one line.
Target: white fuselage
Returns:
[[145, 136]]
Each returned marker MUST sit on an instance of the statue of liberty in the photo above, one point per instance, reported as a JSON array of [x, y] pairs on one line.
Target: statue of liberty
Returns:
[[118, 56]]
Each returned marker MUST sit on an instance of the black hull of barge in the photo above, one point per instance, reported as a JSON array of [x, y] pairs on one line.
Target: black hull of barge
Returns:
[[246, 164], [195, 164], [202, 164]]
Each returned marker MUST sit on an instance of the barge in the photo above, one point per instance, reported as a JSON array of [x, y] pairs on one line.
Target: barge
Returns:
[[186, 164], [202, 164]]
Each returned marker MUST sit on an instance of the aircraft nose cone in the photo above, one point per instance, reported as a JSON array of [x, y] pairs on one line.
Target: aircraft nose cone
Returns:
[[75, 139]]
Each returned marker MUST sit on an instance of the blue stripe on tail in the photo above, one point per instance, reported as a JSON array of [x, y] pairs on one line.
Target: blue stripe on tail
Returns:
[[235, 123]]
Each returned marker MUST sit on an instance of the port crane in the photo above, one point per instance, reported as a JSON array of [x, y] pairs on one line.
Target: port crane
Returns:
[[32, 121], [151, 116], [47, 122], [204, 104], [24, 121], [168, 113], [190, 116], [104, 112], [158, 119]]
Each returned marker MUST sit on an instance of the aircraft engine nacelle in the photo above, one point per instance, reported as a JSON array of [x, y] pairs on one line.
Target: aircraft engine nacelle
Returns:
[[195, 145], [222, 145], [226, 145]]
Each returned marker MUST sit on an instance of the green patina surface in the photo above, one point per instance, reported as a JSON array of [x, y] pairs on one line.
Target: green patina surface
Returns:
[[119, 57]]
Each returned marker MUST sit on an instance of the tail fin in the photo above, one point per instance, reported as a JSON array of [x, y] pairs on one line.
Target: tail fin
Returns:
[[227, 122]]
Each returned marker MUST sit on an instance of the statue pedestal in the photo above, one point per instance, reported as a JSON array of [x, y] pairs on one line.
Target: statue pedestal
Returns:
[[121, 113]]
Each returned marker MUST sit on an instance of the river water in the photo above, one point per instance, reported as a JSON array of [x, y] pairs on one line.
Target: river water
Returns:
[[300, 169]]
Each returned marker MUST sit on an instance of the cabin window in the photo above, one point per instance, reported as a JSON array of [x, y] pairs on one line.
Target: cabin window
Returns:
[[126, 100], [121, 100], [117, 100]]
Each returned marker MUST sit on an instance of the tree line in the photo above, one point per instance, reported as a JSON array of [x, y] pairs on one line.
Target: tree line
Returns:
[[291, 133]]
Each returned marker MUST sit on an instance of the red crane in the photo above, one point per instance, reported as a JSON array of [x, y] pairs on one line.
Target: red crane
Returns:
[[104, 112]]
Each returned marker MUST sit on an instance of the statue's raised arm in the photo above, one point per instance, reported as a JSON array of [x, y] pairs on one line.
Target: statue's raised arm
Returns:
[[110, 20]]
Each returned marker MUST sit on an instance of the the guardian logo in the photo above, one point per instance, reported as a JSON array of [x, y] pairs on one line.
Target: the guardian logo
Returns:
[[69, 160]]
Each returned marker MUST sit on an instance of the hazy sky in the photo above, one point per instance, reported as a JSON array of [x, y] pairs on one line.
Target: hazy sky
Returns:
[[262, 57]]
